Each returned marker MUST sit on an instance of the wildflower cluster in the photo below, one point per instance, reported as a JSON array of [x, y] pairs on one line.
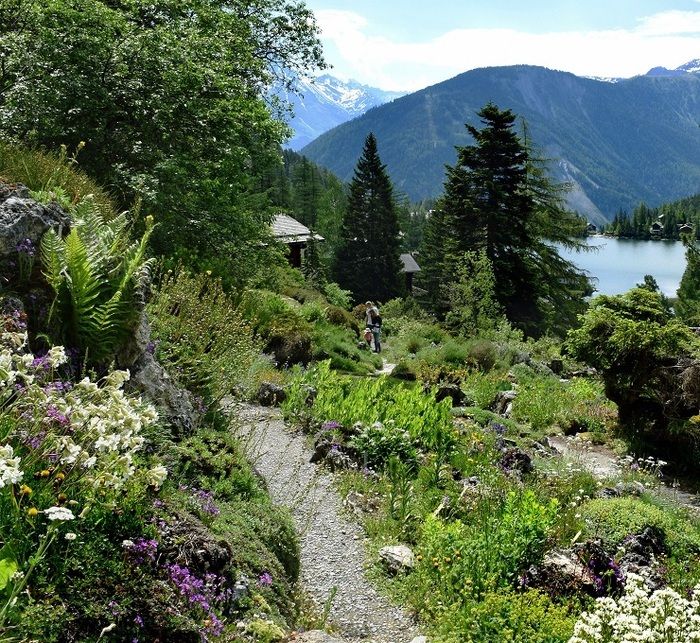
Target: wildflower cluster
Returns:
[[641, 616], [88, 430]]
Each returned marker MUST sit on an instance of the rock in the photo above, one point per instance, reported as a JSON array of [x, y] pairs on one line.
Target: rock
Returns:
[[397, 558], [270, 394], [22, 218], [316, 636], [608, 492], [451, 391], [561, 572], [634, 488], [556, 366], [516, 460], [311, 394], [503, 402], [420, 639], [185, 538], [361, 504]]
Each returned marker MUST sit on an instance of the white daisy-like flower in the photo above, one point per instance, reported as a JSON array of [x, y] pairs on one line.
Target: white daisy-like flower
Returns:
[[59, 513]]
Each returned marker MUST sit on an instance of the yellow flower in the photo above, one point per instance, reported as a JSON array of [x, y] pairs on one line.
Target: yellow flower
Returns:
[[32, 512], [60, 476], [45, 473], [25, 490]]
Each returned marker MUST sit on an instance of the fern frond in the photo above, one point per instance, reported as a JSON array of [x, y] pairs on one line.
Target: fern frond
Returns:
[[53, 259]]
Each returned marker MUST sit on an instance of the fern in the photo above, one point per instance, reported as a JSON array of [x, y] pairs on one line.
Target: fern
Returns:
[[96, 272]]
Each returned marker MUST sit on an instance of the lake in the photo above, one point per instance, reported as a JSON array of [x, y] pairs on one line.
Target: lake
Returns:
[[619, 264]]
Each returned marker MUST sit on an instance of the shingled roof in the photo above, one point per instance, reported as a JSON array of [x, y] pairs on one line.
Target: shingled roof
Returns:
[[409, 263], [288, 230]]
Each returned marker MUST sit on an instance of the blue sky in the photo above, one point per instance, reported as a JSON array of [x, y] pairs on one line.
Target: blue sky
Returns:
[[409, 45]]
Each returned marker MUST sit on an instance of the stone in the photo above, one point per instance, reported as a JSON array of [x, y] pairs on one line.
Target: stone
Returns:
[[271, 394], [516, 460], [556, 366], [561, 572], [397, 558], [420, 639], [451, 391], [502, 404], [22, 218]]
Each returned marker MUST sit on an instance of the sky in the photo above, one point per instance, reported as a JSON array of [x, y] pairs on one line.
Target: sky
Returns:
[[405, 46]]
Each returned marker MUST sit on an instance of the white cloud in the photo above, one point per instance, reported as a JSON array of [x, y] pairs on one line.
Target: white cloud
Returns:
[[668, 38]]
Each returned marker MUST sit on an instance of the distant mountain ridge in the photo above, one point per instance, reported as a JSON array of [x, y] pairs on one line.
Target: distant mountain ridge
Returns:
[[616, 143], [325, 102]]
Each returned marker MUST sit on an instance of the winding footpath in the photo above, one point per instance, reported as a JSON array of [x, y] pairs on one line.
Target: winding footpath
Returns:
[[333, 557]]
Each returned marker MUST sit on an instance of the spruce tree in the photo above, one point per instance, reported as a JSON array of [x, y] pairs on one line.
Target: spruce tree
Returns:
[[688, 304], [498, 199], [368, 262]]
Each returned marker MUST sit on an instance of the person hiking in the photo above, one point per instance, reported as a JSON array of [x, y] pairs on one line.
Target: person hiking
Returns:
[[374, 323]]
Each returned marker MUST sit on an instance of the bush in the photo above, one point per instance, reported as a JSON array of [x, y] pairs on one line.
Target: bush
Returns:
[[340, 317], [379, 442], [612, 520], [336, 296], [200, 335]]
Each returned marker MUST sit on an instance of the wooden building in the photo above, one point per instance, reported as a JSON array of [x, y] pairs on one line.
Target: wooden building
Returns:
[[294, 235], [410, 267]]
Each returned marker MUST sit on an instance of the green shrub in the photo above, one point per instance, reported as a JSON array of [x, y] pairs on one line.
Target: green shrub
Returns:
[[482, 354], [336, 296], [200, 335], [341, 317], [507, 616], [615, 518]]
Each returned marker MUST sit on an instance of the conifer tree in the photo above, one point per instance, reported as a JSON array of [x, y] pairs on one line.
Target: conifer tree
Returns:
[[368, 262], [688, 304], [497, 199]]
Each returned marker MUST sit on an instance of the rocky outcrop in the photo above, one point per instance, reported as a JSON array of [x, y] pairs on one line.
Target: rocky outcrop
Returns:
[[23, 219], [397, 558]]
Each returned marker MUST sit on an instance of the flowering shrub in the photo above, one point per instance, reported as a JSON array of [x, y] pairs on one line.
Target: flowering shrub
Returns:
[[640, 615]]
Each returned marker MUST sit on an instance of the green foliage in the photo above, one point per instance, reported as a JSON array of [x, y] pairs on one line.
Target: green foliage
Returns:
[[462, 560], [51, 174], [367, 262], [632, 339], [687, 306], [379, 443], [507, 616], [472, 298], [171, 100], [200, 335], [614, 519], [368, 401], [499, 202], [579, 404], [97, 275]]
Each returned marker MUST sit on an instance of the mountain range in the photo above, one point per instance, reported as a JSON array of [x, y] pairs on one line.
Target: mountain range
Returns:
[[324, 102], [616, 143]]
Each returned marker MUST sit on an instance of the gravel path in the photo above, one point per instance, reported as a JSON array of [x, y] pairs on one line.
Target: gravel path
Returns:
[[332, 551]]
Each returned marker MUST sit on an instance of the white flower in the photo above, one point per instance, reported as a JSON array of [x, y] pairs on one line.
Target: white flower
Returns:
[[59, 513], [157, 475], [127, 544], [57, 356], [116, 379], [10, 472], [70, 536]]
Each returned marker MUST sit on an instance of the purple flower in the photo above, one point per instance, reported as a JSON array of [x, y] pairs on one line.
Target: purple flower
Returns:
[[138, 620], [141, 550], [54, 414], [265, 579], [331, 425], [151, 347], [26, 246]]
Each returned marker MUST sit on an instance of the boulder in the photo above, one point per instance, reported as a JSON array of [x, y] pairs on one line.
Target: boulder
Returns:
[[561, 572], [270, 394], [451, 391], [503, 403], [516, 460], [397, 558], [24, 219]]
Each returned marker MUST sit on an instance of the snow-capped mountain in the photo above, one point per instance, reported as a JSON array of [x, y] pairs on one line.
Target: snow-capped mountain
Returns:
[[326, 101], [691, 67]]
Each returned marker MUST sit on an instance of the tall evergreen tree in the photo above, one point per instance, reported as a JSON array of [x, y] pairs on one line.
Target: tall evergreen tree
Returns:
[[688, 304], [368, 262], [498, 199]]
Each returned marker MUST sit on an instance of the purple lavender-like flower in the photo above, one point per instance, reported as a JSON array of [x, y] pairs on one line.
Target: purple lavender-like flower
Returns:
[[142, 550], [35, 441], [54, 414], [151, 347], [265, 579], [331, 425], [206, 502], [26, 246], [138, 620]]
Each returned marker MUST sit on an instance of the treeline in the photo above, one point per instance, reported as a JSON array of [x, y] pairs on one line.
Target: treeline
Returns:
[[665, 221]]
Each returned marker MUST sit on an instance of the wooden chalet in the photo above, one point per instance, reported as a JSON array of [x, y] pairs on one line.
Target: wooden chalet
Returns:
[[294, 235]]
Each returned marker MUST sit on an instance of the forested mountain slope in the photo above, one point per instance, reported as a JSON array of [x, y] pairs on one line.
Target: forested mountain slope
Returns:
[[618, 143]]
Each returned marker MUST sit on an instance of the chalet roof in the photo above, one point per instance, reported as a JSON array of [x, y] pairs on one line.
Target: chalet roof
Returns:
[[288, 230], [409, 263]]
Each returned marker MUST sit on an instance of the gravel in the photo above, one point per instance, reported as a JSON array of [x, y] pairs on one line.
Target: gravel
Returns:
[[333, 555]]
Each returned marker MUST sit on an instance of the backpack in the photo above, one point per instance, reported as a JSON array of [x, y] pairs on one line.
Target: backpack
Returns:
[[377, 319]]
